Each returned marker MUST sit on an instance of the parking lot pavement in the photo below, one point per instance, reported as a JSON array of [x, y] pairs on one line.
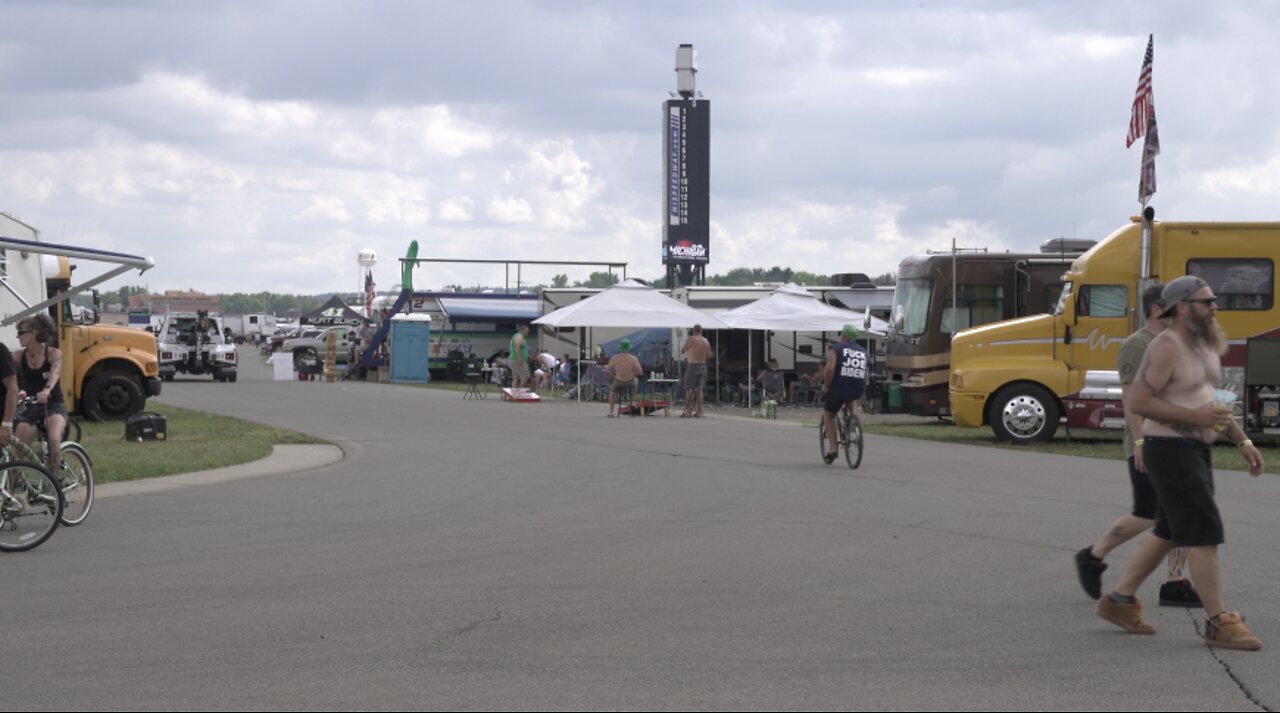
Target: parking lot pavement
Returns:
[[481, 554]]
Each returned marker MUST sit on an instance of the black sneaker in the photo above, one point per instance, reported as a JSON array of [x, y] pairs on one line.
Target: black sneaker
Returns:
[[1090, 570], [1179, 593]]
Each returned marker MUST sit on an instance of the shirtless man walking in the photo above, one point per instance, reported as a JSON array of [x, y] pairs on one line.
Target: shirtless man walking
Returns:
[[1173, 391], [696, 350], [1089, 565]]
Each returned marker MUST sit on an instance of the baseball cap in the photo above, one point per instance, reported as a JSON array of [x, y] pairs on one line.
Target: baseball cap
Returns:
[[1180, 289], [849, 331], [625, 345]]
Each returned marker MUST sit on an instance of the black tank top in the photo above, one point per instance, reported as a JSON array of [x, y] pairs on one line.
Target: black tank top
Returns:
[[34, 379]]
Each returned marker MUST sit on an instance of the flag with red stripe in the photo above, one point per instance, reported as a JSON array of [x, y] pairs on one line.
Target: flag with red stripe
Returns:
[[1143, 104]]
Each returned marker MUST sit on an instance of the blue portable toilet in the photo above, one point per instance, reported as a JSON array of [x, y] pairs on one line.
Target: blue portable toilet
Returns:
[[410, 336]]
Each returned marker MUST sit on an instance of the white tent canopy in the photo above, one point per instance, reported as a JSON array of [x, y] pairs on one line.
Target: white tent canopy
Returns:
[[629, 304], [792, 308]]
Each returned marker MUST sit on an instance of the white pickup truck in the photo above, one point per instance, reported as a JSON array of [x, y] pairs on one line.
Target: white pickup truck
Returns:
[[194, 343]]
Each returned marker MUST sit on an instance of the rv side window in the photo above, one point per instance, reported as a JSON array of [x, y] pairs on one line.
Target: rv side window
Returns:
[[1239, 283], [1103, 301], [975, 305]]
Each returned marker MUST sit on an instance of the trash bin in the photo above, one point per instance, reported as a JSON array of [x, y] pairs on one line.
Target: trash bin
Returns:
[[282, 366], [895, 397]]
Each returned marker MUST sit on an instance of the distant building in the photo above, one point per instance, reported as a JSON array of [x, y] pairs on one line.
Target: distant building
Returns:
[[174, 301]]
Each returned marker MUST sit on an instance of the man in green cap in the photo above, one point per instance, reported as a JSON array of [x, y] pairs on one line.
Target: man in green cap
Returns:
[[846, 380], [625, 370]]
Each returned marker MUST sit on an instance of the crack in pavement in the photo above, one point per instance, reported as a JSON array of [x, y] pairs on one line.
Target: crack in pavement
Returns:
[[1248, 694]]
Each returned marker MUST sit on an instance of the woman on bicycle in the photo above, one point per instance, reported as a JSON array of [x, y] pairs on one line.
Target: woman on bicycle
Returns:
[[39, 369], [846, 380]]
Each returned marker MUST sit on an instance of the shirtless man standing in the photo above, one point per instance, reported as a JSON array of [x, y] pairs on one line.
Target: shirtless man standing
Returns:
[[1174, 393], [696, 350]]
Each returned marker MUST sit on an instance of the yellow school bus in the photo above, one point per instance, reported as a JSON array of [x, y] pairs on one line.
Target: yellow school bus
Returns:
[[1023, 377]]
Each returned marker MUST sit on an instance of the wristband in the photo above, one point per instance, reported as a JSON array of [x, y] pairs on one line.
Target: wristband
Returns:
[[1140, 441], [7, 424], [1245, 442]]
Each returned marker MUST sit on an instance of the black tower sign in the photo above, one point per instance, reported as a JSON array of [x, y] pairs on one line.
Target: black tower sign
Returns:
[[686, 219]]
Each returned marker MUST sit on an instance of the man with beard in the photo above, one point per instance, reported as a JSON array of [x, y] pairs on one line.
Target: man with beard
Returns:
[[1089, 565], [1174, 393]]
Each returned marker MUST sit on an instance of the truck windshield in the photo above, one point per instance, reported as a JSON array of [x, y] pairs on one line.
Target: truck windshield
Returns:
[[911, 305], [1062, 298]]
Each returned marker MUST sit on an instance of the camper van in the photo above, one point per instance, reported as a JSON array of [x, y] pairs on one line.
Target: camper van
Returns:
[[940, 293], [1024, 376]]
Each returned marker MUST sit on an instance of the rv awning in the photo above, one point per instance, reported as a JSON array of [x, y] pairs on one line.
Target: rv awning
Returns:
[[475, 309]]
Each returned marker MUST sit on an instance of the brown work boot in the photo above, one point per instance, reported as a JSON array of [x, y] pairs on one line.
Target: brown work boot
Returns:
[[1227, 631], [1125, 616]]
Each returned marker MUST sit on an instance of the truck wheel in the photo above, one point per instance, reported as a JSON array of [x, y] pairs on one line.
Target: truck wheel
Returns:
[[1024, 413], [113, 395], [232, 377]]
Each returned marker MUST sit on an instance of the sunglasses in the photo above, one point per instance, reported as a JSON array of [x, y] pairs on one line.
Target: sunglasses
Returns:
[[1206, 301]]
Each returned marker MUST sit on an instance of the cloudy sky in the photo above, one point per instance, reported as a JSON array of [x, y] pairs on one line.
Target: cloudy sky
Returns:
[[261, 145]]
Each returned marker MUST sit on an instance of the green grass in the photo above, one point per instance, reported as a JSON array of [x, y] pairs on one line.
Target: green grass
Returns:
[[1087, 444], [195, 441]]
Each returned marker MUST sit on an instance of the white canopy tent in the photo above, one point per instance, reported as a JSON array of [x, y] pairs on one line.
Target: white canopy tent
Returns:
[[792, 308], [629, 304]]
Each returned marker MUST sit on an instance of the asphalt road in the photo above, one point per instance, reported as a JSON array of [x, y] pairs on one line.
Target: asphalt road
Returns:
[[486, 555]]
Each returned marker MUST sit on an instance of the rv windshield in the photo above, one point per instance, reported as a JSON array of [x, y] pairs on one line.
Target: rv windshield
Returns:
[[1062, 299], [911, 305]]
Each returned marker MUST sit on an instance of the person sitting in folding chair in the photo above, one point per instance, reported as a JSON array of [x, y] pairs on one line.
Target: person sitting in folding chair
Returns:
[[625, 371], [769, 383]]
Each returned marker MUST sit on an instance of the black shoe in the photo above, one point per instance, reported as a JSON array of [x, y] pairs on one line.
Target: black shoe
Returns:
[[830, 457], [1090, 570], [1179, 594]]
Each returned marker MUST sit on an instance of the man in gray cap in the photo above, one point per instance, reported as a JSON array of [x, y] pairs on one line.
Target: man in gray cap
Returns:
[[1176, 591], [1174, 393]]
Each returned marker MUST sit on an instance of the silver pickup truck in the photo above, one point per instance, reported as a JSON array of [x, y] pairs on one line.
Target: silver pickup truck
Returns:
[[309, 350]]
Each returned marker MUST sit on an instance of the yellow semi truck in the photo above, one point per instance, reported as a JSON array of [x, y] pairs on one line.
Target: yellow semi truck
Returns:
[[1024, 377], [108, 372]]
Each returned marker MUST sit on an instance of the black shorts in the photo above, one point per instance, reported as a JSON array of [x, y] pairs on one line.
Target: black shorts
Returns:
[[1181, 471], [1144, 495], [39, 413]]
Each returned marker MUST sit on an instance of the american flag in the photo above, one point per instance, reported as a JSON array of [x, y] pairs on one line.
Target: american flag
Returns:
[[1142, 101], [1150, 149], [368, 294]]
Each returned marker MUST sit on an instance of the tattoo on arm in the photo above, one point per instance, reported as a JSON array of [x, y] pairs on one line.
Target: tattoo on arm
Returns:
[[1142, 379]]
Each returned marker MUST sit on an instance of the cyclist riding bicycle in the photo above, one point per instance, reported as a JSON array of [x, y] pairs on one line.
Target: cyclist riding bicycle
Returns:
[[39, 367], [846, 380]]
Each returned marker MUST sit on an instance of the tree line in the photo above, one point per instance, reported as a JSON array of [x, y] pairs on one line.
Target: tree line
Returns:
[[281, 304]]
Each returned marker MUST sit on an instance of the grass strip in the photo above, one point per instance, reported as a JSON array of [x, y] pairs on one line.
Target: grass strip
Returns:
[[194, 441], [1107, 445]]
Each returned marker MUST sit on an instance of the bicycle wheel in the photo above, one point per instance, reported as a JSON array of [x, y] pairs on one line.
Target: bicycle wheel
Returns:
[[853, 440], [71, 432], [76, 481], [822, 439], [30, 506]]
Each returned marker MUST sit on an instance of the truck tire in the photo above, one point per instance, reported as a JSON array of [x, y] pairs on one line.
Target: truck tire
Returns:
[[1024, 413], [113, 395]]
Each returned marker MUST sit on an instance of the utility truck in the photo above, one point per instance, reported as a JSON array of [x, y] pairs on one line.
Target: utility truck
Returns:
[[195, 343], [1024, 377], [108, 372]]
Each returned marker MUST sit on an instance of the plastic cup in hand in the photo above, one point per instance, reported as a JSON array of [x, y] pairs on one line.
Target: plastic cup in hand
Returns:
[[1224, 400]]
